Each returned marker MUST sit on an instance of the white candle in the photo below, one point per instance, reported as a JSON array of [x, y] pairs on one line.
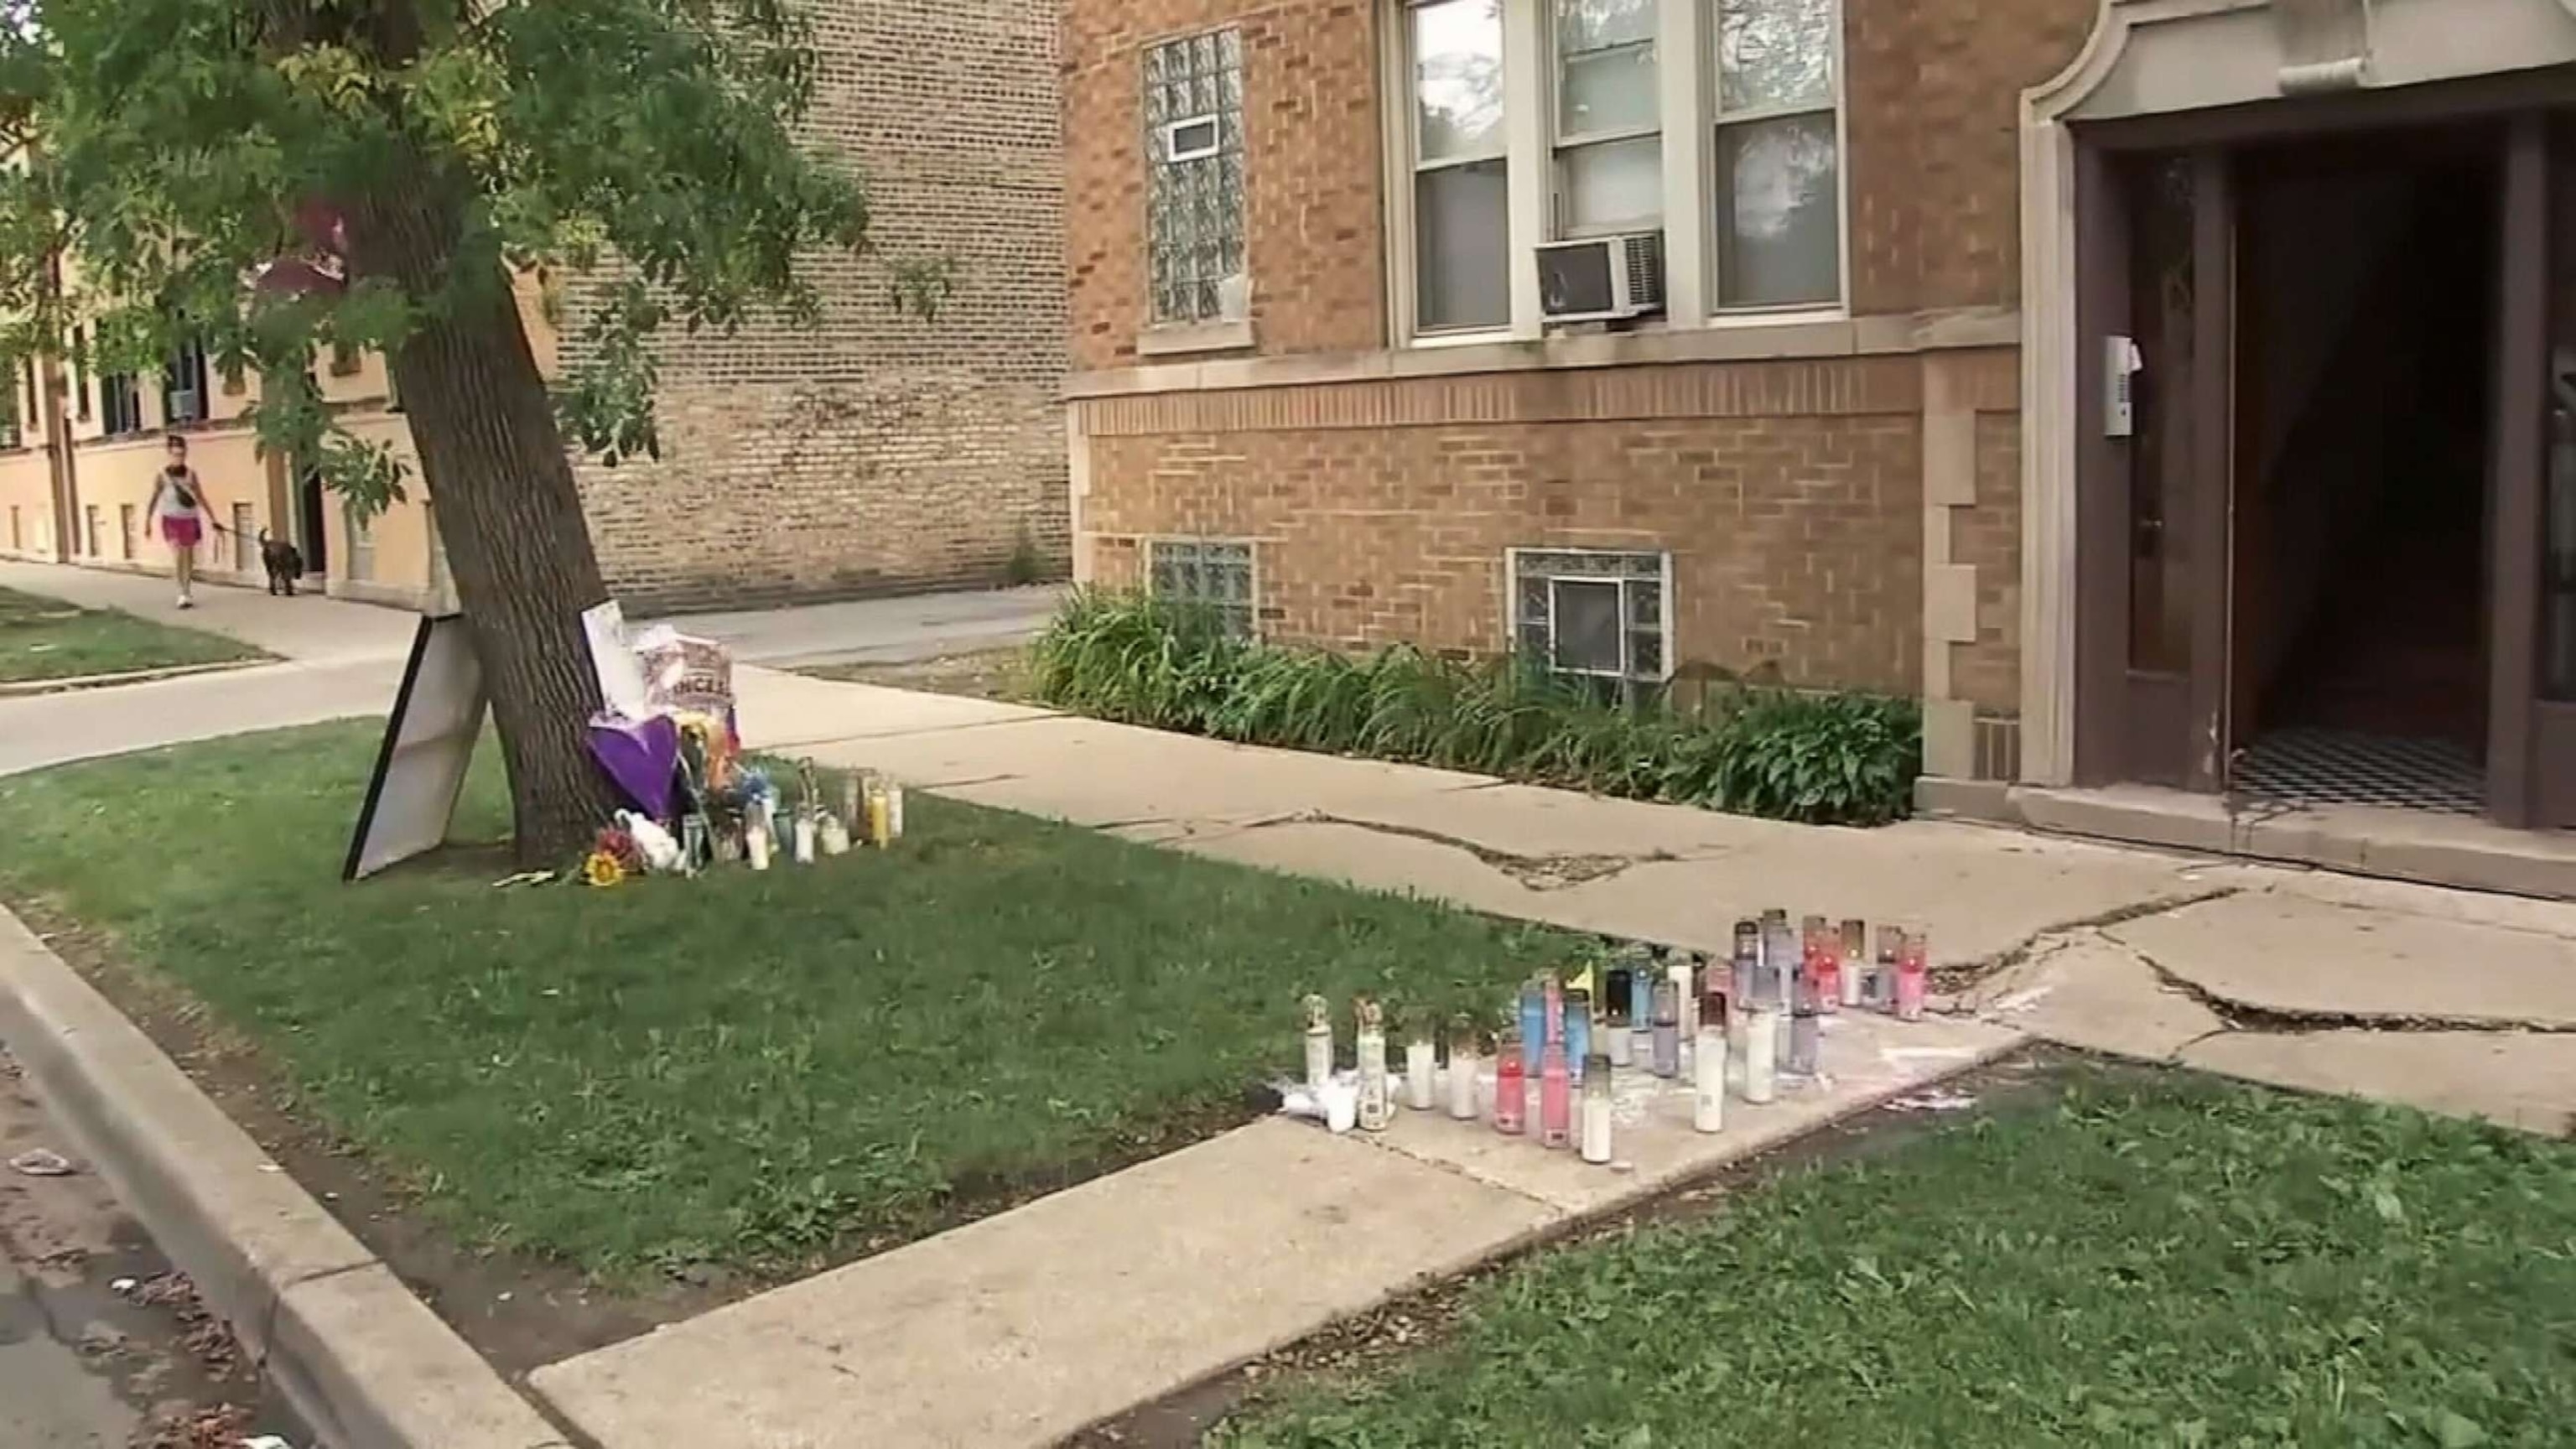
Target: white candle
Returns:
[[1596, 1127], [755, 841], [1463, 1067], [804, 840], [1688, 1019], [894, 810], [1319, 1044], [1421, 1063], [1708, 1092], [1377, 1104], [1762, 1055], [1617, 1039]]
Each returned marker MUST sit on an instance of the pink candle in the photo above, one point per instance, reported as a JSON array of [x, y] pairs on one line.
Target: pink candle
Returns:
[[1511, 1087], [1555, 1105], [1913, 973]]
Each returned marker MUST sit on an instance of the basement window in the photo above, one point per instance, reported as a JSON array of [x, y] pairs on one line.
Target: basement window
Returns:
[[1592, 613], [1202, 571]]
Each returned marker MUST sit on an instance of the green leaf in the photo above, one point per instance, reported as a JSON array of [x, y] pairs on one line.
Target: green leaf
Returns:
[[2452, 1430]]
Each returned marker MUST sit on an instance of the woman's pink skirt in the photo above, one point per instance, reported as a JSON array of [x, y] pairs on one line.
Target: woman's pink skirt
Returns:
[[182, 532]]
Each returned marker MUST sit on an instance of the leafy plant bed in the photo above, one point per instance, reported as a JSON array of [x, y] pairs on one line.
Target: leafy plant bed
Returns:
[[2131, 1257], [754, 1073], [1844, 759], [46, 639]]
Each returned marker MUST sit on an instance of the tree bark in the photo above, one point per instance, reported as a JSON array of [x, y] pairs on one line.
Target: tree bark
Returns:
[[518, 545]]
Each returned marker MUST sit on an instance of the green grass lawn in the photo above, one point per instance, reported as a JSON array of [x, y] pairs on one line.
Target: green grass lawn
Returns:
[[2140, 1260], [748, 1069], [42, 638]]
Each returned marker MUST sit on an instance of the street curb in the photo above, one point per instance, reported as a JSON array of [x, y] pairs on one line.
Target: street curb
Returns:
[[365, 1362]]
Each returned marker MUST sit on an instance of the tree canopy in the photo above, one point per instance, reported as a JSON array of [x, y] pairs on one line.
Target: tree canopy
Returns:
[[198, 161], [266, 178]]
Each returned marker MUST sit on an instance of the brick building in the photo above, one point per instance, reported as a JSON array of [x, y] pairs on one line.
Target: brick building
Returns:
[[883, 452], [887, 451], [1645, 335]]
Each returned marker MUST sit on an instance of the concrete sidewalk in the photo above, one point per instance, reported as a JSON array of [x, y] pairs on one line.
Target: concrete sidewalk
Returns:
[[1026, 1326], [344, 660], [308, 628], [2324, 964]]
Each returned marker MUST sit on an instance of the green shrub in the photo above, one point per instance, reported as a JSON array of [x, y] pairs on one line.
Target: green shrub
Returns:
[[1756, 750]]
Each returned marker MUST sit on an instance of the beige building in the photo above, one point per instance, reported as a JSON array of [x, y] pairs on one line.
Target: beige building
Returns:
[[76, 479]]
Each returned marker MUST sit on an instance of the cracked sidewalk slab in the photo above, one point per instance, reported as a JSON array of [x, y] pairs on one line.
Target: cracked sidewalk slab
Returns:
[[2089, 990], [2283, 956], [2522, 1081]]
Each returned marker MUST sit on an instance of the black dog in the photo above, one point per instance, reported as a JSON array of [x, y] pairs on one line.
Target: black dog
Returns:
[[284, 562]]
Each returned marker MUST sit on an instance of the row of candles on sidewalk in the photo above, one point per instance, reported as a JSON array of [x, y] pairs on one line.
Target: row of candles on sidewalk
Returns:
[[1674, 1013]]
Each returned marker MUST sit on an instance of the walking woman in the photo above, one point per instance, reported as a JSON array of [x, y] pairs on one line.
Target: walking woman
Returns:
[[179, 509]]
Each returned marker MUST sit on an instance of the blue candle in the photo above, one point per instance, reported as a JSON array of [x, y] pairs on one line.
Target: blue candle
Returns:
[[1533, 1026], [1578, 1033]]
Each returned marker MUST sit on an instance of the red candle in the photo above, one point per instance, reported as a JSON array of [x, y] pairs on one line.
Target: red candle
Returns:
[[1913, 973], [1511, 1087]]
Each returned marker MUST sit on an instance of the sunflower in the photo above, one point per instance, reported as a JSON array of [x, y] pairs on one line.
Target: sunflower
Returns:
[[602, 869]]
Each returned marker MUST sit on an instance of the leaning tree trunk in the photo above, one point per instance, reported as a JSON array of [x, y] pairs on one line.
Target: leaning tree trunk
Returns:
[[517, 543]]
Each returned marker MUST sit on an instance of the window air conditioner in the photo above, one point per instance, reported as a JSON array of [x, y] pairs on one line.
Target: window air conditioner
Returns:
[[1601, 278]]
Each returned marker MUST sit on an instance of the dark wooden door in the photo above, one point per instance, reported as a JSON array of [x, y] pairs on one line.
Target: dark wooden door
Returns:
[[2531, 774], [2157, 259]]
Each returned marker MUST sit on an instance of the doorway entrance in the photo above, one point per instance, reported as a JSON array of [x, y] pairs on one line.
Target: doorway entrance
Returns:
[[310, 535], [2365, 411], [2313, 562]]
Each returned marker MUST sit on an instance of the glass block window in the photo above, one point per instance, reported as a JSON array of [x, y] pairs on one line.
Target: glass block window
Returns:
[[1204, 571], [1194, 205], [1598, 614]]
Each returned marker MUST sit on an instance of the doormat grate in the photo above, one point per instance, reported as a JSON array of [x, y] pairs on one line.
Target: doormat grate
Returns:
[[2298, 768]]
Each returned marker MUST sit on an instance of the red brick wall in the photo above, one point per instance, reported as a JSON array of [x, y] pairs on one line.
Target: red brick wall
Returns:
[[1311, 169], [1934, 92], [883, 451], [1796, 535]]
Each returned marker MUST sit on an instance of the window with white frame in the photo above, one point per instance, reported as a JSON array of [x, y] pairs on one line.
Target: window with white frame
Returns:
[[1461, 174], [1608, 116], [1599, 614], [1214, 573], [1194, 206], [1716, 121], [1778, 156]]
